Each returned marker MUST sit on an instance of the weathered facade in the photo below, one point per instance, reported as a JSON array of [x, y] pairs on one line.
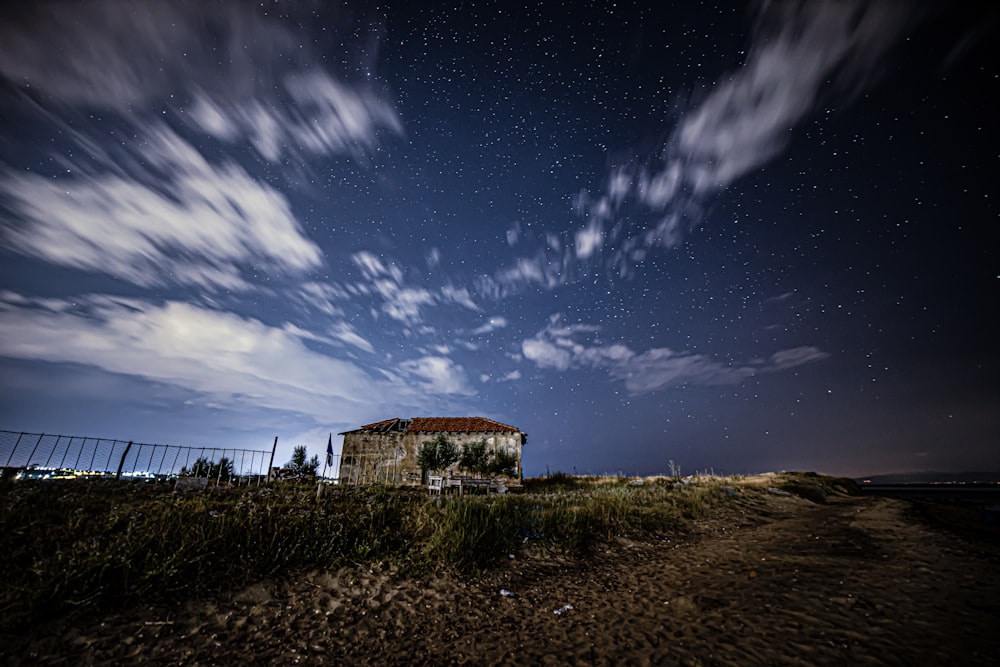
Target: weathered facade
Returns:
[[386, 451]]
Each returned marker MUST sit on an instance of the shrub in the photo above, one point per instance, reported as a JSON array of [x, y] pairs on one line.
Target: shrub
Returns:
[[437, 454]]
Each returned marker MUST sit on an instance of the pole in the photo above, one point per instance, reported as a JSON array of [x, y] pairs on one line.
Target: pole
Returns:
[[270, 465], [319, 482]]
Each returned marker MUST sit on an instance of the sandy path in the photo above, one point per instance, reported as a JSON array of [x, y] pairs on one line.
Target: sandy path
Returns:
[[769, 581]]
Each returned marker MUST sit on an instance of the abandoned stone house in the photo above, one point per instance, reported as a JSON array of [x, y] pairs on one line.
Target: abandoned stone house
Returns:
[[386, 451]]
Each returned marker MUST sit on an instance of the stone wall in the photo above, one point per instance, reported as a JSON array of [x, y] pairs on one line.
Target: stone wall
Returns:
[[391, 457]]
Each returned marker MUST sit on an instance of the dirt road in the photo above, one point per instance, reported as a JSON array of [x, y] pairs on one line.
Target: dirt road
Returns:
[[769, 580]]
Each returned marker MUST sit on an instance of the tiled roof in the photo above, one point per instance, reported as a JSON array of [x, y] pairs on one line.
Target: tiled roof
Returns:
[[440, 425], [379, 425], [459, 425]]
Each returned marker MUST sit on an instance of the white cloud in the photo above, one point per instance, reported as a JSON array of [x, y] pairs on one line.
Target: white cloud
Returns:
[[372, 267], [339, 333], [796, 356], [548, 270], [589, 239], [329, 117], [513, 234], [176, 220], [559, 346], [405, 303], [321, 297], [545, 354], [746, 118], [232, 361], [510, 377], [345, 333], [804, 53], [459, 295], [491, 325], [660, 367], [266, 83], [438, 375], [400, 302]]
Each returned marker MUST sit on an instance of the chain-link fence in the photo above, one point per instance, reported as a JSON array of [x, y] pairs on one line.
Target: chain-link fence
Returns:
[[48, 456]]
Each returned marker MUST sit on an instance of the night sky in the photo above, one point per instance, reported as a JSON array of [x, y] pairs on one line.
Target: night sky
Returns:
[[742, 238]]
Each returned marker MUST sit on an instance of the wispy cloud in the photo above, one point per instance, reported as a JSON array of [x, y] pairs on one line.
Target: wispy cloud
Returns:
[[233, 70], [511, 376], [589, 239], [439, 375], [796, 356], [661, 367], [173, 218], [232, 361], [491, 325], [561, 346], [803, 53], [161, 203], [403, 301], [546, 268], [459, 295]]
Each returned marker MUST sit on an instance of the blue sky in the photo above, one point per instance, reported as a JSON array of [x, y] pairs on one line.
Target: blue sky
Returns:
[[738, 237]]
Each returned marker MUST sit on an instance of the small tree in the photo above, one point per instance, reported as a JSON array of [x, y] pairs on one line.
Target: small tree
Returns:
[[501, 463], [300, 465], [437, 454], [223, 470], [202, 467], [475, 458]]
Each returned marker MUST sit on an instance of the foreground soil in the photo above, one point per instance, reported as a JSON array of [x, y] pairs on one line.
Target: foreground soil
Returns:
[[767, 580]]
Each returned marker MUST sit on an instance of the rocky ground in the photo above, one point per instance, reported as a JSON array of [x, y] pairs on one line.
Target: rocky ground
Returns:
[[767, 580]]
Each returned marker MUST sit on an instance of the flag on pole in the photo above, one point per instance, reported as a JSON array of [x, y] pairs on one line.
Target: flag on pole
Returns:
[[329, 451]]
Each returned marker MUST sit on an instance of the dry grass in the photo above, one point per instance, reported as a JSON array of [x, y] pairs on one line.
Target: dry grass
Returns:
[[101, 544]]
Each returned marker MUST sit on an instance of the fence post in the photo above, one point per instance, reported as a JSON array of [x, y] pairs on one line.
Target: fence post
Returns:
[[173, 466], [118, 475], [107, 466], [271, 464], [28, 463], [76, 464], [94, 457], [222, 459], [53, 450], [9, 458]]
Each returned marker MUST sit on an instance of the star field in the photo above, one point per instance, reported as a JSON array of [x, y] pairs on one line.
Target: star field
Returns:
[[741, 238]]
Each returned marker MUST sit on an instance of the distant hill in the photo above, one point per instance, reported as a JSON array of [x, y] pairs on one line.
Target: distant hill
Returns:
[[933, 477]]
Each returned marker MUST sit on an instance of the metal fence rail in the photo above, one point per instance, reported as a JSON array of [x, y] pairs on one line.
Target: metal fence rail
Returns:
[[49, 456]]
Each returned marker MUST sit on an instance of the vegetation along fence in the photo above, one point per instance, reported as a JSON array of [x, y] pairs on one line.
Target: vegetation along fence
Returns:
[[48, 456]]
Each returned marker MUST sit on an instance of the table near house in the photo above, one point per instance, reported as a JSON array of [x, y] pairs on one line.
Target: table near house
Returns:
[[436, 484]]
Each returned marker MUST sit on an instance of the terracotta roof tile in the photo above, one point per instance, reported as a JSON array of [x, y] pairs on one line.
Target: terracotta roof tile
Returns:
[[439, 425], [377, 425], [459, 425]]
